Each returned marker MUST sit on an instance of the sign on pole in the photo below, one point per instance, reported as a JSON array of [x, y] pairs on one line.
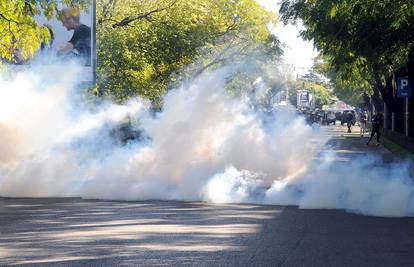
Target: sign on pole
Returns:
[[403, 87]]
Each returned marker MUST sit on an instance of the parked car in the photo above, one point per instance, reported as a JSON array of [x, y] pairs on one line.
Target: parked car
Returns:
[[330, 118], [338, 115], [322, 117]]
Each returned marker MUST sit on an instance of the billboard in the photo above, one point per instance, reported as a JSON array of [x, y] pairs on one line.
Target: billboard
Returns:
[[73, 37], [305, 99], [304, 96]]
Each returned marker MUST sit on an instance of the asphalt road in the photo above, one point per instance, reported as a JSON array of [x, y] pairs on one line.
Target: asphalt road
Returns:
[[76, 232]]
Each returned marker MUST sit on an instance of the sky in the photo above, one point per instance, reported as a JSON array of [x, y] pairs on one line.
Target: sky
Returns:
[[297, 52]]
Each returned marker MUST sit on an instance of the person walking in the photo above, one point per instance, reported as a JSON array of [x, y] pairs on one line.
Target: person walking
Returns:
[[362, 123], [349, 121], [376, 125]]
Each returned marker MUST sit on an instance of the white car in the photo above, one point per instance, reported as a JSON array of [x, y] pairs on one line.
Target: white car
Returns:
[[331, 118]]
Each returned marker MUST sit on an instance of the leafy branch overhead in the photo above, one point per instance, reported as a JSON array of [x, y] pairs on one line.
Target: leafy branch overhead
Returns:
[[146, 16], [364, 41], [144, 49]]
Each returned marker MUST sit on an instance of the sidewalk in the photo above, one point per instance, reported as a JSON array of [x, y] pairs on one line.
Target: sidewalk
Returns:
[[349, 145]]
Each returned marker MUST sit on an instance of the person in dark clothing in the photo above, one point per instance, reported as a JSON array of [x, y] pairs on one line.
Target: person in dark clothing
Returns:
[[349, 121], [376, 125], [80, 43]]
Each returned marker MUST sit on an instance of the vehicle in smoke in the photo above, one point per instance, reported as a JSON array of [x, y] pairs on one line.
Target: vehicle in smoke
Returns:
[[322, 117], [326, 117], [312, 116], [126, 131], [338, 115], [331, 118]]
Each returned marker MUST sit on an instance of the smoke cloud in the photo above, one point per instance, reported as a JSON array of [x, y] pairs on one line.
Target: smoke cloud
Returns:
[[204, 145]]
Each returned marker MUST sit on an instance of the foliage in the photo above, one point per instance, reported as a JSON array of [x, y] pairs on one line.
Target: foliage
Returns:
[[364, 41], [352, 90], [320, 91], [147, 46], [322, 95], [315, 81], [254, 75], [143, 49]]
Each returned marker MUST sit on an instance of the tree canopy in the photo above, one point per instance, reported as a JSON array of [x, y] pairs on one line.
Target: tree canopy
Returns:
[[143, 49], [363, 41], [146, 47], [315, 84]]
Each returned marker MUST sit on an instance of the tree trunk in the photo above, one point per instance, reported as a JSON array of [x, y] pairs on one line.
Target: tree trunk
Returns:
[[386, 91], [376, 100], [410, 67]]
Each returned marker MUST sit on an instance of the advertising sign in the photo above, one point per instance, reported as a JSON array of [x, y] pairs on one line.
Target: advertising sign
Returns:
[[304, 96], [73, 37]]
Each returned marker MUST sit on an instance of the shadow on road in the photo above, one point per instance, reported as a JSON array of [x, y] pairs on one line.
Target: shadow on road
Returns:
[[53, 232], [76, 232]]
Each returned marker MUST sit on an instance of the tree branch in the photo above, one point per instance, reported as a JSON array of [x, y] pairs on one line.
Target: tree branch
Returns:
[[9, 20], [146, 16]]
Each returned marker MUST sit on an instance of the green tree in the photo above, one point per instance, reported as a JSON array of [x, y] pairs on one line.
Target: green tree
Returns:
[[365, 40], [146, 46], [351, 90], [320, 90], [143, 49]]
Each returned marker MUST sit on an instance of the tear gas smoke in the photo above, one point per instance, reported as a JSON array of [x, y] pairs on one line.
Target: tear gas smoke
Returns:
[[204, 145]]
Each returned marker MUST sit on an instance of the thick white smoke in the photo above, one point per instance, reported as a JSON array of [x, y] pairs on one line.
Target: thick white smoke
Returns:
[[204, 145]]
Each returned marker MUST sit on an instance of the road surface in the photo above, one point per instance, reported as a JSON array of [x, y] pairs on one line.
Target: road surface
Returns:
[[76, 232]]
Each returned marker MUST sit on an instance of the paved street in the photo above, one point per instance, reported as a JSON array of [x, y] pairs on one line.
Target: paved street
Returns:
[[76, 232], [352, 144]]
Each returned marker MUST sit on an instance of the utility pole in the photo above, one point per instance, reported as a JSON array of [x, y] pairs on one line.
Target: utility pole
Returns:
[[407, 116]]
